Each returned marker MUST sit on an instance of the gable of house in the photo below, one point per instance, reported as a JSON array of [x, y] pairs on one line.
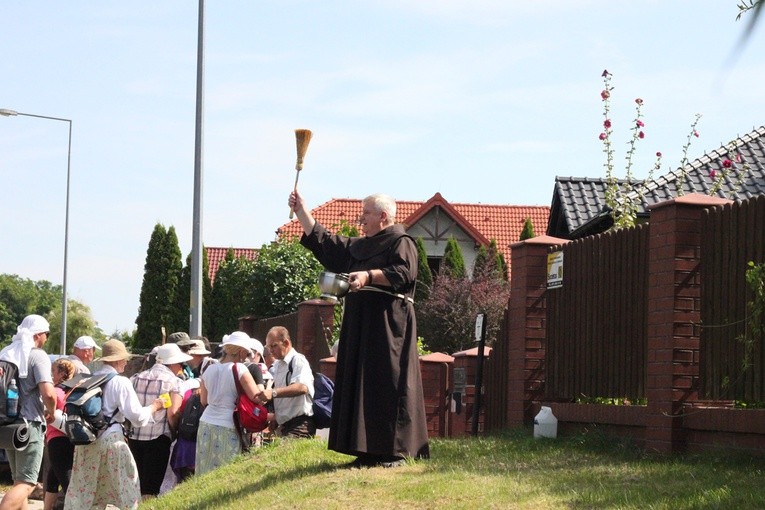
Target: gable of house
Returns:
[[579, 208]]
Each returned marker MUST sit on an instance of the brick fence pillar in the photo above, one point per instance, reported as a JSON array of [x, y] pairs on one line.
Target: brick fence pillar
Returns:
[[315, 323], [526, 331], [674, 312]]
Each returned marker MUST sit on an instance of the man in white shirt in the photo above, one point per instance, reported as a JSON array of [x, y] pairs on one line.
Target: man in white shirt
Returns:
[[292, 394]]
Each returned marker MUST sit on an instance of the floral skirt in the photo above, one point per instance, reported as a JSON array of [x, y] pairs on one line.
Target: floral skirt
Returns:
[[104, 473], [216, 446]]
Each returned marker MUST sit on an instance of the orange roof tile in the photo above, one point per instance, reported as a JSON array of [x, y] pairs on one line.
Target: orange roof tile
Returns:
[[501, 222], [217, 255]]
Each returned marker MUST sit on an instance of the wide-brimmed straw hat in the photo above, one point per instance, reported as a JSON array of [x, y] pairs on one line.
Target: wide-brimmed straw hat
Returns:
[[170, 354], [114, 350]]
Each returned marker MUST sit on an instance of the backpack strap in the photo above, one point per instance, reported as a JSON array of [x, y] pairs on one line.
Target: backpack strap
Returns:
[[237, 424], [109, 419]]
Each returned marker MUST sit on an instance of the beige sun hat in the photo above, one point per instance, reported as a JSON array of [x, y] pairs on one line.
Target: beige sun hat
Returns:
[[114, 350], [198, 347]]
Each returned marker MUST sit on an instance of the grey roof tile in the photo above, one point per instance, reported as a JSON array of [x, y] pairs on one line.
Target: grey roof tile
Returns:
[[578, 202]]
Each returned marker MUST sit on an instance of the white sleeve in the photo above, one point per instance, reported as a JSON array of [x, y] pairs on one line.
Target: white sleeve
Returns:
[[130, 406]]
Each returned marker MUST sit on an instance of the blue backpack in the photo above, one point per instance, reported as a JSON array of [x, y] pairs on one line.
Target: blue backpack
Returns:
[[84, 415], [323, 392]]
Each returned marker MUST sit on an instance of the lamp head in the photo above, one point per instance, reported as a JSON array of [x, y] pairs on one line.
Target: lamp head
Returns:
[[8, 113]]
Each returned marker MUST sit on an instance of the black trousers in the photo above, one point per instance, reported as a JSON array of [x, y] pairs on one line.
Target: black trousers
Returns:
[[151, 458], [60, 453]]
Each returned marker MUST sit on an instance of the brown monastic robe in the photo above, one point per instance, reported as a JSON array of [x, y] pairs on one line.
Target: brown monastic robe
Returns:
[[378, 407]]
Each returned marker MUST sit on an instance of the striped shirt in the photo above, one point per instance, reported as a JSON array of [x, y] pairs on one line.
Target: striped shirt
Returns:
[[149, 385]]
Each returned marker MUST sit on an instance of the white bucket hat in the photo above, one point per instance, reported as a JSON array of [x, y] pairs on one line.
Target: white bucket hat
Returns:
[[240, 339], [169, 354], [257, 346]]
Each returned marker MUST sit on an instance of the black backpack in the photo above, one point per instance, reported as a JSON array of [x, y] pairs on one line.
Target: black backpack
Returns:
[[189, 422], [83, 408], [323, 393], [8, 372]]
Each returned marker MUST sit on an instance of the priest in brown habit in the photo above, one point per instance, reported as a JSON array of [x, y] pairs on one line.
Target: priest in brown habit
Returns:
[[378, 412]]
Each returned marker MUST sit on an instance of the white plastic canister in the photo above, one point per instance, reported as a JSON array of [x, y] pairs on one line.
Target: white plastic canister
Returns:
[[545, 423]]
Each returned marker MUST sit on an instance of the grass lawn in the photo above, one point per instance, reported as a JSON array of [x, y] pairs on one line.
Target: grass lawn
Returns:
[[511, 470]]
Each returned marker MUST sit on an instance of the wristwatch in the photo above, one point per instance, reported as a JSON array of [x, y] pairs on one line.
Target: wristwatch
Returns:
[[273, 393]]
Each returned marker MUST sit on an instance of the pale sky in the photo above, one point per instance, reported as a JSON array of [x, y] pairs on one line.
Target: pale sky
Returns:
[[482, 101]]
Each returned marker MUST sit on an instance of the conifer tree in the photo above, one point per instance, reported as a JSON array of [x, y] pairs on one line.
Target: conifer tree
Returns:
[[231, 295], [424, 274], [453, 262], [182, 308], [528, 230], [481, 260], [160, 282]]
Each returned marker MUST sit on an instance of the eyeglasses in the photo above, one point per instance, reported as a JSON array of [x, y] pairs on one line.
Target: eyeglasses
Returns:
[[46, 333]]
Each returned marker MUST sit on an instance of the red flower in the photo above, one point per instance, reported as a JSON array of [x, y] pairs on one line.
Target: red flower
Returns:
[[639, 101], [602, 136], [641, 135], [640, 123], [712, 173], [695, 133], [727, 163], [607, 124], [658, 154], [605, 95]]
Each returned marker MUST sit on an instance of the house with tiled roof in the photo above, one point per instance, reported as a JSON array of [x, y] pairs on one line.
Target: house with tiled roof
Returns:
[[579, 204], [435, 220], [217, 255]]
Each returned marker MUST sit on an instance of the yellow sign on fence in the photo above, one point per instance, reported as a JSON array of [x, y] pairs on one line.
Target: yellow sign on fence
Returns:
[[555, 270]]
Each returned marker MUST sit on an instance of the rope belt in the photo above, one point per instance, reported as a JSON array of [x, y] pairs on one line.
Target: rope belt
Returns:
[[400, 296]]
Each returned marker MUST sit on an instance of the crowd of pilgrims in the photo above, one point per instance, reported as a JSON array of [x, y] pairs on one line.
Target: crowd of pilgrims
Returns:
[[139, 454]]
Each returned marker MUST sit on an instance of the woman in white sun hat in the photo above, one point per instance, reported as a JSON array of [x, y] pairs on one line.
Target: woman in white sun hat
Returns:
[[217, 438], [150, 443]]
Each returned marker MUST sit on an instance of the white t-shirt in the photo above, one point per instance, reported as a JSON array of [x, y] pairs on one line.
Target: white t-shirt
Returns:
[[221, 393]]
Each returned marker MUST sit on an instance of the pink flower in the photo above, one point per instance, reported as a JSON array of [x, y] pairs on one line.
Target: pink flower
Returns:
[[641, 135], [738, 157], [695, 133], [727, 163], [605, 95], [640, 123], [712, 173], [602, 136], [658, 154], [607, 124], [605, 73], [639, 101]]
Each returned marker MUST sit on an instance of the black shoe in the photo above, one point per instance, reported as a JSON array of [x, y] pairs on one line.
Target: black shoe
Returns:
[[360, 463]]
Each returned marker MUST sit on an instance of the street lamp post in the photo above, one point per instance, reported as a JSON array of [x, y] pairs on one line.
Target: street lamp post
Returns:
[[12, 113]]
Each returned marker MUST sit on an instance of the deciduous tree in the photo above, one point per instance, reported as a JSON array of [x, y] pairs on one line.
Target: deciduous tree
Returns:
[[284, 275]]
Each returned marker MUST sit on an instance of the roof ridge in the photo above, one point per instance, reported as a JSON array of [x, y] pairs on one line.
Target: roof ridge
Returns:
[[701, 161]]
